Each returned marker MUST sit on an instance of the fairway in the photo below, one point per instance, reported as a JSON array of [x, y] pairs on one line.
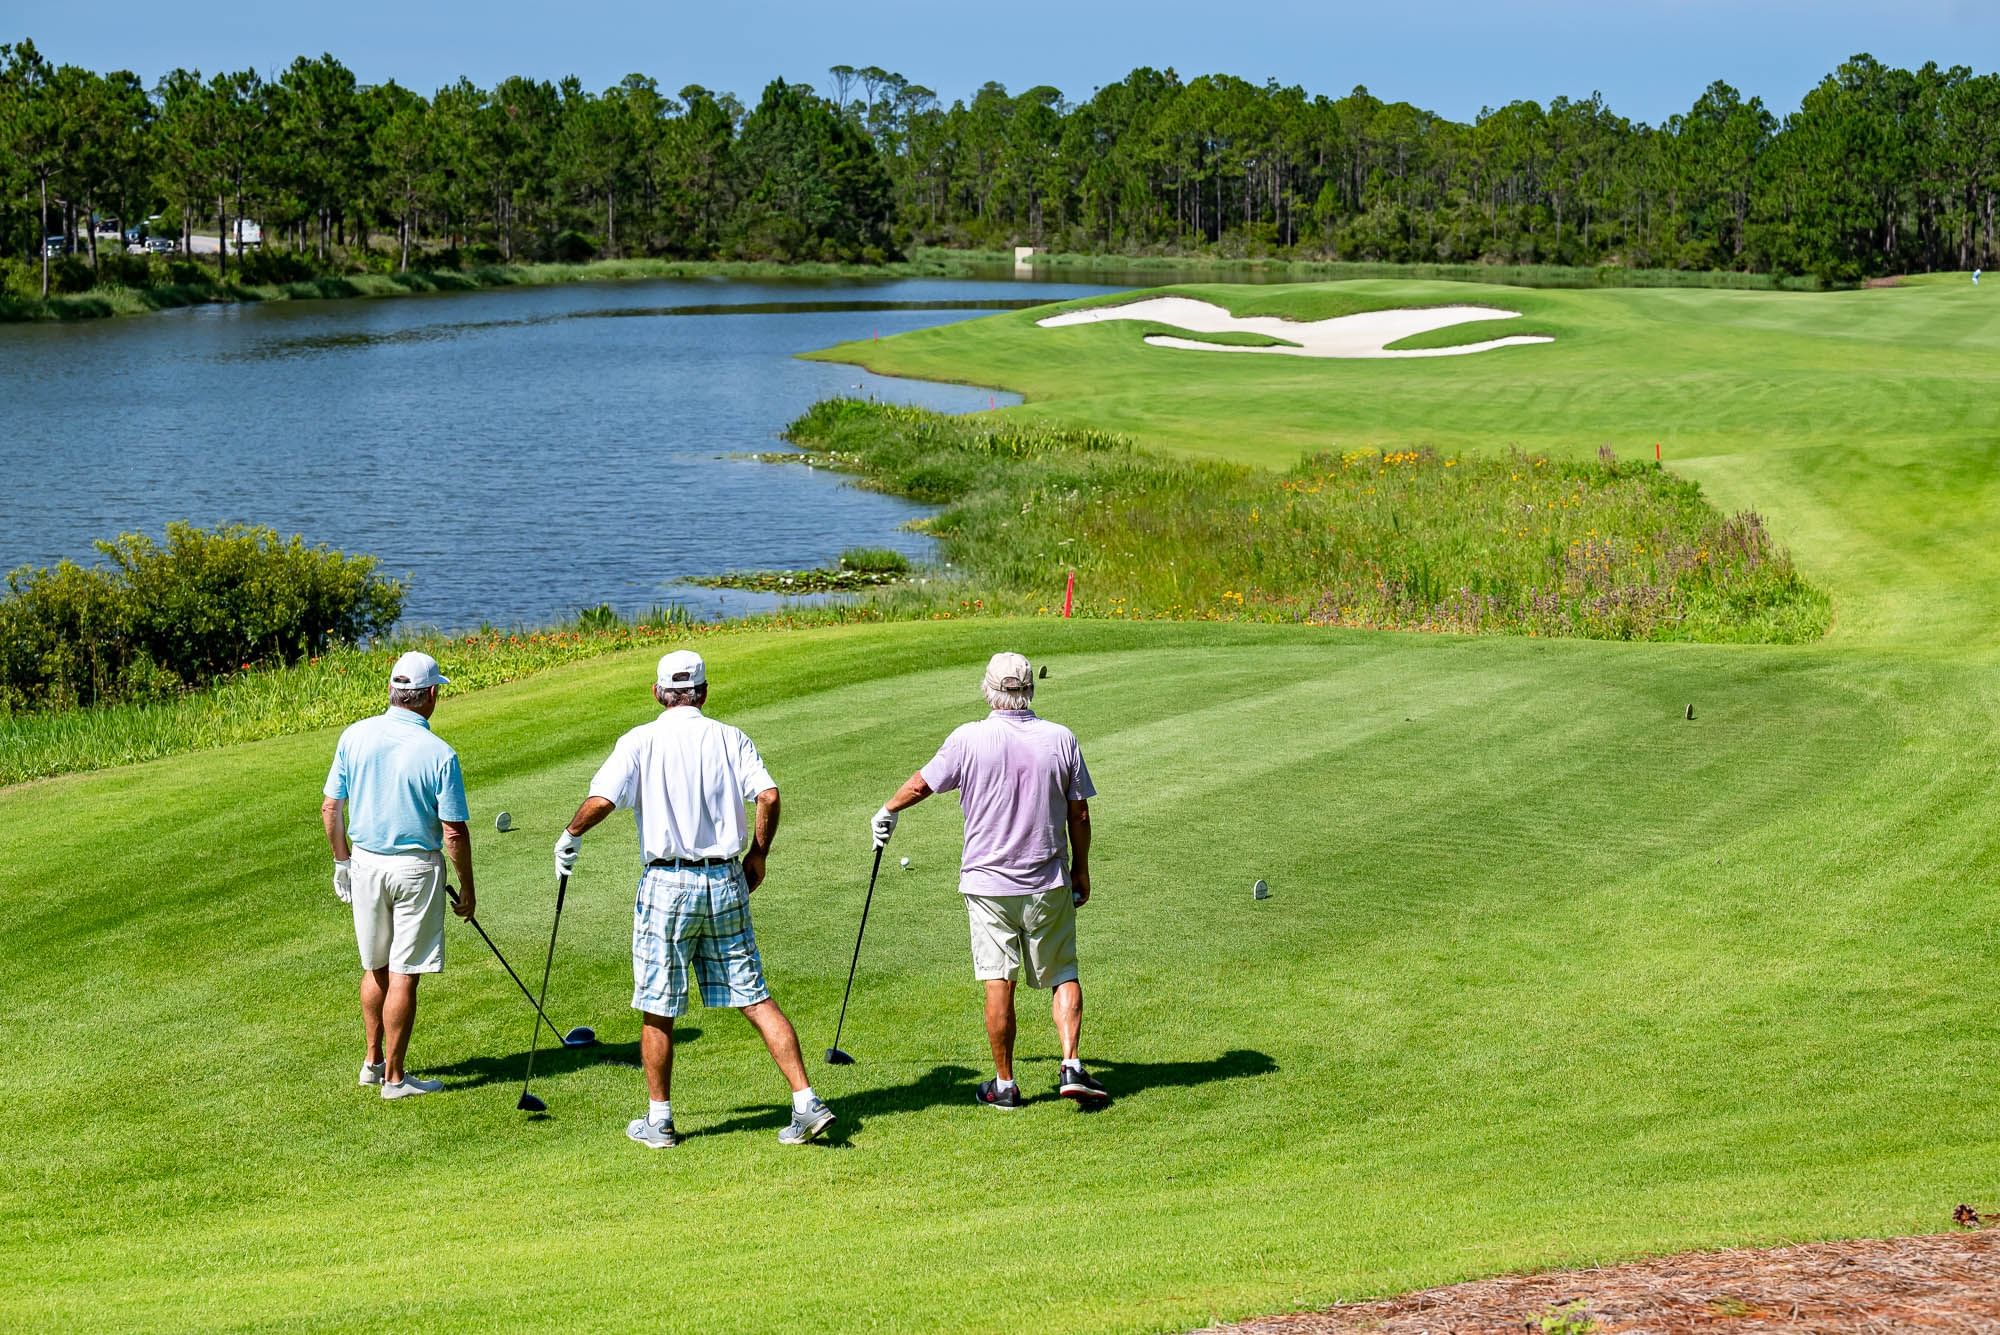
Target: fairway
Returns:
[[1551, 973]]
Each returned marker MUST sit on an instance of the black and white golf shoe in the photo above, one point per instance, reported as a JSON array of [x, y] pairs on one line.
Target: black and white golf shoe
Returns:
[[1077, 1084], [992, 1096]]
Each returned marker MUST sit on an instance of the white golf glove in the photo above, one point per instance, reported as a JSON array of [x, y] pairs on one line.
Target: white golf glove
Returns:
[[567, 847], [882, 827], [343, 881]]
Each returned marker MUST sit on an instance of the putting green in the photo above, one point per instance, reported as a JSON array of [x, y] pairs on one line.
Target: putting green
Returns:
[[1550, 974]]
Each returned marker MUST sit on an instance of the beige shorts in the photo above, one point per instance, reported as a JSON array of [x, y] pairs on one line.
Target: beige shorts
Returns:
[[1032, 934], [399, 910]]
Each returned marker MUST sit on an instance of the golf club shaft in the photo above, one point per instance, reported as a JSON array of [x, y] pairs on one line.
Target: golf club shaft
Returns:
[[877, 870], [535, 1039], [453, 895]]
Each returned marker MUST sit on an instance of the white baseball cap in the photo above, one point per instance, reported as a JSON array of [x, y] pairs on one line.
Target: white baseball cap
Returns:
[[1009, 672], [682, 670], [414, 671]]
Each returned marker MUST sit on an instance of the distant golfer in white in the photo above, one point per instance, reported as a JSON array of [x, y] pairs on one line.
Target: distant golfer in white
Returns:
[[394, 799], [687, 778], [1026, 868]]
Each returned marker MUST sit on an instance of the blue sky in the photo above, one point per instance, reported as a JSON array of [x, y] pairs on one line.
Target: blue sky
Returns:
[[1650, 58]]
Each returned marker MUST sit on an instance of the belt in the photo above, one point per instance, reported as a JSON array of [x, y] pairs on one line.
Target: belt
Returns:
[[678, 863]]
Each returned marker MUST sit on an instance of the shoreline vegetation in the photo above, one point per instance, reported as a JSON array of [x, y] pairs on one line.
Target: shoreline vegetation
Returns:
[[182, 284], [1510, 544], [1417, 539], [188, 286]]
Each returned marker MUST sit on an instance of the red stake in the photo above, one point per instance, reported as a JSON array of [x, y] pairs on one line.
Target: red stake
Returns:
[[1069, 593], [1656, 451]]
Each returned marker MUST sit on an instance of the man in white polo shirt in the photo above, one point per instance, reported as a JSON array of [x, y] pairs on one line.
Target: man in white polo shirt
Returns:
[[1026, 794], [687, 778], [394, 799]]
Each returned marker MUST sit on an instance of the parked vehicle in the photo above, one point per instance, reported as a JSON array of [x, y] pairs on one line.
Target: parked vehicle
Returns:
[[134, 235], [161, 245], [55, 247]]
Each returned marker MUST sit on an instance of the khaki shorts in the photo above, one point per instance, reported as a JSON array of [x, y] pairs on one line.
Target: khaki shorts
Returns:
[[399, 910], [1034, 934]]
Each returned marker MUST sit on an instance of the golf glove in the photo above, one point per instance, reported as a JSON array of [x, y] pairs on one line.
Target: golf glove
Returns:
[[343, 881], [567, 847], [883, 826]]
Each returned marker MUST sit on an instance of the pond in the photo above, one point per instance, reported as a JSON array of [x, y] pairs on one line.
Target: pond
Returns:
[[517, 454]]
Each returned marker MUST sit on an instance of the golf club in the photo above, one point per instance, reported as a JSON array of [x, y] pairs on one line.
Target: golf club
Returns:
[[529, 1102], [834, 1056], [582, 1036]]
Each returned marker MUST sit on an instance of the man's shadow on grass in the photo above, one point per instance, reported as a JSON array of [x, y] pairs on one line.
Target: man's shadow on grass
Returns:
[[953, 1085], [551, 1059]]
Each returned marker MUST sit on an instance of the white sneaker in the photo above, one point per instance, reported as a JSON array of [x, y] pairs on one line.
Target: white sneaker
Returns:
[[371, 1072], [411, 1086]]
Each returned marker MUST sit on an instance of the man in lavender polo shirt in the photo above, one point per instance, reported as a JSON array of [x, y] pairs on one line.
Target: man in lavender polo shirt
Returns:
[[1025, 791]]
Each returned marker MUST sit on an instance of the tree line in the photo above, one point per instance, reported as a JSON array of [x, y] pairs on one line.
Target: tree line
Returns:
[[1880, 170]]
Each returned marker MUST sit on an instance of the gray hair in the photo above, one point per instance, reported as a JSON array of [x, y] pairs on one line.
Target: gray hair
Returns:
[[685, 695], [999, 699], [409, 697]]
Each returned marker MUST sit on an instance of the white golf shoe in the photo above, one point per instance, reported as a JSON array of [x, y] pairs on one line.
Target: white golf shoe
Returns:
[[371, 1073], [410, 1087]]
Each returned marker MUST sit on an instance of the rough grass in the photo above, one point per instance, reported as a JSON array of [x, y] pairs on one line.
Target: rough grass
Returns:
[[1408, 540]]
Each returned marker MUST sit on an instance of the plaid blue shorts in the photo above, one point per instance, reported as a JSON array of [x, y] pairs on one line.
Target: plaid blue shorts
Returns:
[[697, 916]]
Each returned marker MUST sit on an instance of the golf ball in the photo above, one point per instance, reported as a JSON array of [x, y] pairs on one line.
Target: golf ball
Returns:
[[906, 862]]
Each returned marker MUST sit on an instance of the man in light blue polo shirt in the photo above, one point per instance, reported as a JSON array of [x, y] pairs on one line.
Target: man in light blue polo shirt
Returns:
[[394, 809]]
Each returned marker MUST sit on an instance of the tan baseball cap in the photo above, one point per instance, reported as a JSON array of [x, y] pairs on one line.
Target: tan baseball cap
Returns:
[[682, 670], [1009, 672]]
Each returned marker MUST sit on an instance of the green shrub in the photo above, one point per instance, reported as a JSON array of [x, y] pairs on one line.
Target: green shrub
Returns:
[[71, 273], [160, 618], [268, 264]]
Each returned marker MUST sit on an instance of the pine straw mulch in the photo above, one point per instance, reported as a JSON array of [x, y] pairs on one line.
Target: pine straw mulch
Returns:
[[1946, 1282]]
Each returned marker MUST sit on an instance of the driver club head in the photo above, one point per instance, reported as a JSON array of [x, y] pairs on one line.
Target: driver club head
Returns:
[[532, 1103], [583, 1036], [835, 1057]]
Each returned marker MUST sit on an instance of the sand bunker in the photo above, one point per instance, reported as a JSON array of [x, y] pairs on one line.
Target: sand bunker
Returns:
[[1365, 335]]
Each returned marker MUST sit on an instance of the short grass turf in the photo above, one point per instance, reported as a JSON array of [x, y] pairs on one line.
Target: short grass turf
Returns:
[[1551, 974]]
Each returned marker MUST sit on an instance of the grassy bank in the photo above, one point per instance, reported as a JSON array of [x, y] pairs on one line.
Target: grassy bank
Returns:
[[1407, 540], [1270, 269], [345, 683], [114, 300], [1793, 405]]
